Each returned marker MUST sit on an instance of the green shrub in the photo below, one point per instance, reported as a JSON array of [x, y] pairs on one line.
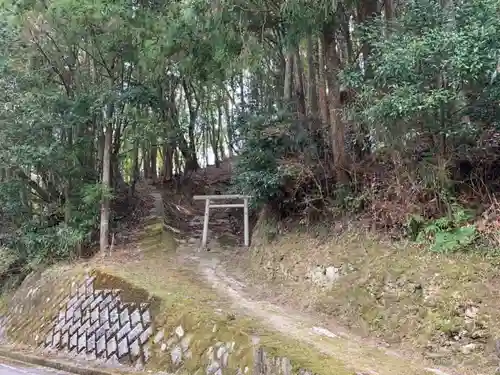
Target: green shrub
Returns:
[[446, 234], [44, 238], [277, 163]]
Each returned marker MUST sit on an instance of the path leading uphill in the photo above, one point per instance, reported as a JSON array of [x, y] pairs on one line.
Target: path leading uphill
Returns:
[[365, 358]]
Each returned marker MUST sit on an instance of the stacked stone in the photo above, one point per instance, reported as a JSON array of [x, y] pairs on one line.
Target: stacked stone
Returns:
[[97, 324], [267, 365], [177, 344]]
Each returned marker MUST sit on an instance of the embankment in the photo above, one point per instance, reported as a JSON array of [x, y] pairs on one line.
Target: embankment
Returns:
[[442, 308], [139, 309]]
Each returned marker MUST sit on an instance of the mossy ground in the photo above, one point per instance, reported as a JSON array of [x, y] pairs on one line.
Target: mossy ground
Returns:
[[411, 298], [31, 317], [177, 297], [184, 300], [147, 270]]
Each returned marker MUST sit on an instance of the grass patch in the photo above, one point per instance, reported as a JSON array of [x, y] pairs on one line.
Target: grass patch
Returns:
[[406, 296], [184, 301]]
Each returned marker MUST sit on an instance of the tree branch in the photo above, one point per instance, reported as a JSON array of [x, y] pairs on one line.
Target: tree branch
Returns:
[[54, 68]]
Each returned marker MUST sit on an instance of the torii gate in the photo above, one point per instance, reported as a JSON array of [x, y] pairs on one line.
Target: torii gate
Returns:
[[208, 205]]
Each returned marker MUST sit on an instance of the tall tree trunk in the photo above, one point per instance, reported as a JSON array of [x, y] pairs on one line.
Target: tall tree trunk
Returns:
[[146, 161], [280, 81], [312, 68], [337, 126], [177, 162], [388, 11], [135, 167], [242, 93], [287, 94], [367, 10], [229, 127], [67, 187], [106, 183], [206, 142], [220, 138], [299, 84], [346, 33], [92, 156], [116, 176], [214, 141], [167, 161], [100, 151], [153, 154], [323, 100], [193, 107]]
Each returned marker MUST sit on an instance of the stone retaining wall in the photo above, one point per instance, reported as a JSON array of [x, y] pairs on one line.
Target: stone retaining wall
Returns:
[[99, 325]]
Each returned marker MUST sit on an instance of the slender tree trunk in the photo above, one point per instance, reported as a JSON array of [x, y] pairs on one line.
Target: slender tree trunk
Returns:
[[242, 93], [106, 183], [191, 159], [145, 161], [167, 162], [337, 126], [388, 11], [346, 33], [281, 79], [287, 94], [135, 168], [299, 84], [229, 127], [220, 138], [312, 63], [177, 162], [212, 137], [367, 9], [100, 151], [323, 100], [116, 176], [206, 147], [153, 154]]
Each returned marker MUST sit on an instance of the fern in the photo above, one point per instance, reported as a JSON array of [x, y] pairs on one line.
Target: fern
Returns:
[[450, 233]]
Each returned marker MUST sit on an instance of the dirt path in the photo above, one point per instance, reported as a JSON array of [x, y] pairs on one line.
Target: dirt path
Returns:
[[365, 357]]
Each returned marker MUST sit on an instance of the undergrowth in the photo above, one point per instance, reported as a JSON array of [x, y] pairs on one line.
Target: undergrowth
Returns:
[[415, 147], [450, 233], [403, 194]]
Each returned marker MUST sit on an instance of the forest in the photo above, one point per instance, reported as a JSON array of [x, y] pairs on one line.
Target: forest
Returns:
[[385, 112]]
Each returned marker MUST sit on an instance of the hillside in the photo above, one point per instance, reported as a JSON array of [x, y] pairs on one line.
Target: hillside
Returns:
[[437, 308], [176, 310], [366, 133]]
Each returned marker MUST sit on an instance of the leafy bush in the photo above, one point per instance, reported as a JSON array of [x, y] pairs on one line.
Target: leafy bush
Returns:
[[430, 72], [446, 234], [45, 238], [347, 200], [280, 162], [47, 245]]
